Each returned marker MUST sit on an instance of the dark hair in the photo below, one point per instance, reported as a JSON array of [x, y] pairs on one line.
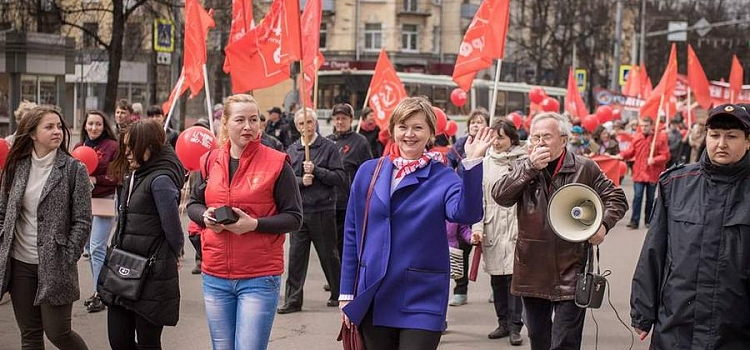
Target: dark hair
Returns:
[[726, 122], [107, 132], [23, 144], [478, 112], [154, 110], [647, 120], [366, 111], [142, 135], [124, 104], [508, 128], [262, 117]]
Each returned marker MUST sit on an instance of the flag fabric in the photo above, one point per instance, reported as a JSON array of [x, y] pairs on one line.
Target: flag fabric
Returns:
[[291, 43], [646, 85], [665, 88], [735, 80], [386, 90], [197, 23], [312, 57], [573, 101], [697, 80], [633, 84], [260, 58], [483, 42], [610, 167], [242, 22]]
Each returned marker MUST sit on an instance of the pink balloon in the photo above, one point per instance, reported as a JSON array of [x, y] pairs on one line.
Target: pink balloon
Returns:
[[590, 122], [604, 114], [537, 94], [441, 122], [451, 128]]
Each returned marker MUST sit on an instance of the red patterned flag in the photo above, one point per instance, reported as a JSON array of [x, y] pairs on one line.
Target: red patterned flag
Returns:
[[313, 58], [386, 90], [665, 88]]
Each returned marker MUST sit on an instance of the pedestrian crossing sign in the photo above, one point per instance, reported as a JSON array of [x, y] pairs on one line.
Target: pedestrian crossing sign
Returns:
[[163, 35]]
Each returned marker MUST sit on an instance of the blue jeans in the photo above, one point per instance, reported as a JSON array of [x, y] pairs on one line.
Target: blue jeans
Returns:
[[638, 188], [101, 227], [240, 312]]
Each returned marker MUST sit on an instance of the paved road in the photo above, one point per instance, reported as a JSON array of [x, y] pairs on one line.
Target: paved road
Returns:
[[316, 327]]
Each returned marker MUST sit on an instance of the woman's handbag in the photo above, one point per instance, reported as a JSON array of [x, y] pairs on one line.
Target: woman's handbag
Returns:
[[350, 336], [124, 273]]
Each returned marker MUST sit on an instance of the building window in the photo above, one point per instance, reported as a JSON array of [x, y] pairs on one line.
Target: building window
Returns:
[[323, 35], [373, 36], [410, 5], [436, 39], [409, 37], [133, 40], [90, 33]]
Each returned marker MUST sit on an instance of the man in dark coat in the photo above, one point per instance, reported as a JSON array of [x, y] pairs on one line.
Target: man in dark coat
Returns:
[[691, 282], [278, 127], [546, 266], [317, 179], [354, 150], [157, 113], [267, 139]]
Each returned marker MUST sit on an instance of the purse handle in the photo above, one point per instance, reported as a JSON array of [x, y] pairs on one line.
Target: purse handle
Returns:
[[375, 176], [117, 240]]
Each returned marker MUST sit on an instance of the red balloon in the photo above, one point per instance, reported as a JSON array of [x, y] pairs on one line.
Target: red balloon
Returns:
[[193, 143], [4, 150], [441, 122], [516, 119], [451, 129], [550, 104], [537, 95], [616, 114], [590, 122], [604, 114], [458, 97], [87, 156]]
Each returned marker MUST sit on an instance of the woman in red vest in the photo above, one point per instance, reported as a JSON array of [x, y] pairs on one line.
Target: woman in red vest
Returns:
[[243, 261]]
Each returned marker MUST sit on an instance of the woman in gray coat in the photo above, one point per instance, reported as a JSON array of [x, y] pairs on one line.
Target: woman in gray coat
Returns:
[[45, 215], [498, 231]]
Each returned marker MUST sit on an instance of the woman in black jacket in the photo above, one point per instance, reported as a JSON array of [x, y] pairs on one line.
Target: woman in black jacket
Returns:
[[691, 282], [149, 226]]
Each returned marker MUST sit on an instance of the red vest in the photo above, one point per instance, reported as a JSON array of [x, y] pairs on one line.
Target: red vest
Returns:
[[253, 254]]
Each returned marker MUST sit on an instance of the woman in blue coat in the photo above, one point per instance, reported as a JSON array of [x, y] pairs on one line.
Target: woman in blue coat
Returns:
[[403, 271]]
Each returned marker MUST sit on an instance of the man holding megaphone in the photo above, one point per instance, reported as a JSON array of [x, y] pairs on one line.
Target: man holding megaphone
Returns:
[[550, 254]]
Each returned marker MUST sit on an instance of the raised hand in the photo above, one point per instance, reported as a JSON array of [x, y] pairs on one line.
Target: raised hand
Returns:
[[477, 146]]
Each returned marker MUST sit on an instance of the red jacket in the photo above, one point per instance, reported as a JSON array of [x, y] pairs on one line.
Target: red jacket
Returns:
[[639, 151], [253, 254]]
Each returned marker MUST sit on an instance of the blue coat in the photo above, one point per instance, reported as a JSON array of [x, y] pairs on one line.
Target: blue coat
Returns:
[[405, 270]]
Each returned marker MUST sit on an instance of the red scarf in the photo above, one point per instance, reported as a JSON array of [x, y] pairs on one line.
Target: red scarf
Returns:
[[405, 167]]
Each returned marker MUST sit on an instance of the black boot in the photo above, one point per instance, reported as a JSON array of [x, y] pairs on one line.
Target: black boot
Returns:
[[499, 332]]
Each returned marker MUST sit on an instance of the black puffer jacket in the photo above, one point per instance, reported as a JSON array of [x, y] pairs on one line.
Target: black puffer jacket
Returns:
[[140, 232], [691, 282]]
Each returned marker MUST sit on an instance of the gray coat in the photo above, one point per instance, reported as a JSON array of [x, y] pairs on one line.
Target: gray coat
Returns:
[[63, 223]]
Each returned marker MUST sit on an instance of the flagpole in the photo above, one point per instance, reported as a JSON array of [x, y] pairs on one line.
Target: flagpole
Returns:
[[690, 107], [494, 94], [174, 101], [302, 90], [656, 129], [315, 85], [364, 105], [208, 99]]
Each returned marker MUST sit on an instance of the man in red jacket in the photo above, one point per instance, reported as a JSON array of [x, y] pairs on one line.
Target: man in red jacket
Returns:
[[646, 168]]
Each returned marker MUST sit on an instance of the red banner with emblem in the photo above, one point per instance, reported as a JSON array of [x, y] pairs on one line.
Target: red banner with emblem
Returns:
[[386, 90]]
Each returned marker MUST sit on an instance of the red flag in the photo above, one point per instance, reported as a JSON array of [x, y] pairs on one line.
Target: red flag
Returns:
[[483, 42], [633, 84], [610, 167], [259, 59], [313, 58], [665, 88], [697, 80], [197, 24], [646, 86], [735, 80], [242, 22], [386, 90], [573, 102], [291, 44]]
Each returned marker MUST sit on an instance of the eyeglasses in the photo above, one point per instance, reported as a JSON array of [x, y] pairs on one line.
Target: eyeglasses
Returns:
[[546, 137]]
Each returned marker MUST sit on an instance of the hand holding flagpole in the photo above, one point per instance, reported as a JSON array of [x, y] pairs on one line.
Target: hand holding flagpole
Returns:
[[656, 127]]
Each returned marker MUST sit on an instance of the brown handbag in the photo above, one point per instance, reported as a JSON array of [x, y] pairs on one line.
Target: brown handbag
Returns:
[[351, 337]]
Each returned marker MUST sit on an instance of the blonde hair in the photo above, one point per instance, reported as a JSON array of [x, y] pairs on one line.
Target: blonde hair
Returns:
[[23, 107], [228, 103], [410, 106]]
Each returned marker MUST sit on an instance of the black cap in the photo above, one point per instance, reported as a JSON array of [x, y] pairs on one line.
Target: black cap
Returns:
[[739, 111], [275, 110], [343, 108]]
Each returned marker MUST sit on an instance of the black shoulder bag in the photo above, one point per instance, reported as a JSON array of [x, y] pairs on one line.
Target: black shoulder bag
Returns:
[[124, 273], [590, 286]]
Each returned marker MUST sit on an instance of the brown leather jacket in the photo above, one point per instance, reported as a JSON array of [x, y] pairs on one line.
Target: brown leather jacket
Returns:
[[545, 266]]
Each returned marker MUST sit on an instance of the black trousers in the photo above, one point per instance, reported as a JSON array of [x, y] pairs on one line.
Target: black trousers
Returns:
[[320, 229], [36, 321], [508, 307], [340, 221], [462, 284], [124, 326], [195, 240], [562, 333], [388, 338]]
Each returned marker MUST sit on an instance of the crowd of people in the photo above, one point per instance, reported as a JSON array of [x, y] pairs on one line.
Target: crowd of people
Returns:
[[382, 208]]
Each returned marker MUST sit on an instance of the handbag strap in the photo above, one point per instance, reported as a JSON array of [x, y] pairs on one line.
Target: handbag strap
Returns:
[[375, 176], [121, 224], [590, 262]]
